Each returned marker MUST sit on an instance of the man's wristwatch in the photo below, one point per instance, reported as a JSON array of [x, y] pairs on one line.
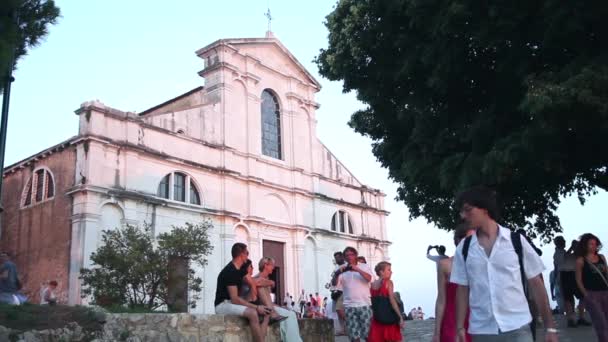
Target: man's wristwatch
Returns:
[[551, 330]]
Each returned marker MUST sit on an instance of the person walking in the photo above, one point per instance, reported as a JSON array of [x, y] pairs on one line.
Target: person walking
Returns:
[[592, 280], [302, 301], [382, 289], [9, 280], [493, 268], [570, 290], [558, 260], [445, 305]]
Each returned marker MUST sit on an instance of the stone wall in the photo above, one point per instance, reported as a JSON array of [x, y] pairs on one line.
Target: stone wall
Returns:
[[38, 235], [208, 328], [169, 328]]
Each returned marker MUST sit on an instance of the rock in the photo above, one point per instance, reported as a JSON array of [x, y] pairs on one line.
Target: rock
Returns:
[[29, 336], [4, 333]]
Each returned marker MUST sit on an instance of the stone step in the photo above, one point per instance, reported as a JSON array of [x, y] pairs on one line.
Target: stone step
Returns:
[[422, 331]]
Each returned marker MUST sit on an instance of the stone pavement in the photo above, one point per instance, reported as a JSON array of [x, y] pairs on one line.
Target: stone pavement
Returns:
[[422, 331]]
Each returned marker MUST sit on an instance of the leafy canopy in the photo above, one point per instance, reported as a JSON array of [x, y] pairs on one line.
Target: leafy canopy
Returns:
[[130, 268], [23, 25], [509, 94]]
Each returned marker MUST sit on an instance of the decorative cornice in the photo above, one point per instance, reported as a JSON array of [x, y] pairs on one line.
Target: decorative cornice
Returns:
[[236, 174], [325, 232]]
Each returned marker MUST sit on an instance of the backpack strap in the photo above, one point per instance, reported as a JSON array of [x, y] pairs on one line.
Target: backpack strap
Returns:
[[465, 247], [516, 241]]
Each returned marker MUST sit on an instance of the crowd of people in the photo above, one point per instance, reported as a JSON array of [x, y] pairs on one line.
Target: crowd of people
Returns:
[[491, 289], [580, 274]]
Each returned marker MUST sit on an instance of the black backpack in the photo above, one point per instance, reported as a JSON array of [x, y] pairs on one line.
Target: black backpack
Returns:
[[516, 241]]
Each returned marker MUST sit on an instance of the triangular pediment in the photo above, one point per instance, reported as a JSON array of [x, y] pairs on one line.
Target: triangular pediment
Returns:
[[270, 52]]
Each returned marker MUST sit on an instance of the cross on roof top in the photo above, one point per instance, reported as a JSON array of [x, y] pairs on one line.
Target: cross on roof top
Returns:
[[269, 16]]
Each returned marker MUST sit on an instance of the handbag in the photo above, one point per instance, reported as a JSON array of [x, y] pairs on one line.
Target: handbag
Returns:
[[383, 310], [335, 295]]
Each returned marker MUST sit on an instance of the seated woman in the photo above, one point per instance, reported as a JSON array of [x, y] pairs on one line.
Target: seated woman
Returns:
[[290, 331]]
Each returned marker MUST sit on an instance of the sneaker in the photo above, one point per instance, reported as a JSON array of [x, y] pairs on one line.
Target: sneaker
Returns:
[[572, 323], [583, 322]]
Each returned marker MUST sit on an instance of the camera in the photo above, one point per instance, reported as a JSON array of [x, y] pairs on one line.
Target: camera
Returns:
[[348, 268]]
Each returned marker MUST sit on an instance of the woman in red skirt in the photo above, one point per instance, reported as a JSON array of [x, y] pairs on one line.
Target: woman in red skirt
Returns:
[[379, 332]]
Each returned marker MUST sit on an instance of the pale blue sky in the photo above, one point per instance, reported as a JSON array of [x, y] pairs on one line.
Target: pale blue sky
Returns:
[[134, 54]]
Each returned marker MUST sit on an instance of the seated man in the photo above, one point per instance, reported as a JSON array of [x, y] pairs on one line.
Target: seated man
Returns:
[[290, 331], [227, 300]]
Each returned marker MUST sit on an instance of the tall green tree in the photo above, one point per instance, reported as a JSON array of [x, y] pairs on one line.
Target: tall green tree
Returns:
[[509, 94], [130, 268], [23, 25]]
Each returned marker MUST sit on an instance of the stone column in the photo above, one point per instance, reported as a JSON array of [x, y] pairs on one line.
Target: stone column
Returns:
[[83, 225], [299, 262], [227, 240]]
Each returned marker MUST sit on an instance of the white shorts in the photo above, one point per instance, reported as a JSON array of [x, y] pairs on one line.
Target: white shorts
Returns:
[[227, 308]]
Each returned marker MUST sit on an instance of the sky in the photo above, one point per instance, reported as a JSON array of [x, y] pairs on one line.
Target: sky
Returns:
[[132, 55]]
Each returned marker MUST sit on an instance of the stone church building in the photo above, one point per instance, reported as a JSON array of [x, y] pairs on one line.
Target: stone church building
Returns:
[[240, 150]]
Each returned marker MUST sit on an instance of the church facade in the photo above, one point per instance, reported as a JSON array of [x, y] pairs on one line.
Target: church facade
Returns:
[[240, 150]]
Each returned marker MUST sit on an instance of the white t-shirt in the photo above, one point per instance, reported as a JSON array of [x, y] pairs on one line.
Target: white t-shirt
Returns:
[[46, 292], [355, 289], [496, 296]]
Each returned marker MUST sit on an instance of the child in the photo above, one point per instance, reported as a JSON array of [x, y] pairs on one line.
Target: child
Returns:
[[48, 296]]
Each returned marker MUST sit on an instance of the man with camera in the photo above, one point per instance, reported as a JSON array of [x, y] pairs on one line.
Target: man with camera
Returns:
[[353, 281], [440, 253]]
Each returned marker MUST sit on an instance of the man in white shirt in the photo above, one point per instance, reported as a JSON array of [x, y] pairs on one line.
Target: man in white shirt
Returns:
[[353, 280], [490, 279]]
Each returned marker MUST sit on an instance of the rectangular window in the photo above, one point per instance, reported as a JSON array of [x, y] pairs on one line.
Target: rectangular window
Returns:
[[50, 186], [28, 196], [179, 187], [39, 185], [163, 187], [194, 197]]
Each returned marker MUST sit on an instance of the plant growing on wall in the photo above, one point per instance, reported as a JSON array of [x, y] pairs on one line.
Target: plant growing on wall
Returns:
[[131, 267]]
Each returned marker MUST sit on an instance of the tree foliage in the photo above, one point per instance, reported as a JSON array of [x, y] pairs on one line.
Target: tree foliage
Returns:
[[23, 25], [130, 268], [512, 95]]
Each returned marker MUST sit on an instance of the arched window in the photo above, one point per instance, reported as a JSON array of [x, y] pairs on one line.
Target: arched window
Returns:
[[40, 187], [341, 222], [173, 186], [271, 125]]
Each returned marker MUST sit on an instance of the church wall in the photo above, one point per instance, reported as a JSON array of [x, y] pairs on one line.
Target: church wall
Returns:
[[161, 219], [236, 114], [249, 197], [38, 236]]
